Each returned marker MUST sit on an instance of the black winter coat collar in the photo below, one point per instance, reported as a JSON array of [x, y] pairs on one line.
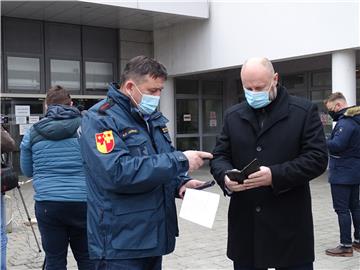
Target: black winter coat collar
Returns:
[[275, 111]]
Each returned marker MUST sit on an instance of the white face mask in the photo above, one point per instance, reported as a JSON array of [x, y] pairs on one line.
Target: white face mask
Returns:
[[148, 103]]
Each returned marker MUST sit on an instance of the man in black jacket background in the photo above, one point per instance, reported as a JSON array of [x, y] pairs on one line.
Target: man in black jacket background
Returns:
[[270, 220]]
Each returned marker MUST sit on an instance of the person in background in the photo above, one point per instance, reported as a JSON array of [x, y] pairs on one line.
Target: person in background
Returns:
[[50, 153], [344, 171], [270, 221], [7, 145], [133, 172]]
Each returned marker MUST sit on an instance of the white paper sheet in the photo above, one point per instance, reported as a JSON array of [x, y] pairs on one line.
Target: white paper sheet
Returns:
[[200, 207]]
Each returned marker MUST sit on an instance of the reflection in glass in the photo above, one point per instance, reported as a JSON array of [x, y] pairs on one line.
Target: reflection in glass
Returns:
[[23, 73], [187, 117], [98, 75], [183, 144], [65, 73], [212, 115]]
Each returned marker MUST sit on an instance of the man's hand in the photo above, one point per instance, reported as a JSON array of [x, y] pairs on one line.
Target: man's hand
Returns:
[[256, 179], [233, 186], [193, 183], [196, 159]]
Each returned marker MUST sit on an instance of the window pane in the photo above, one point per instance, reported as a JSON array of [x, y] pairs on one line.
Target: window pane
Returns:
[[65, 73], [293, 81], [187, 117], [183, 144], [321, 78], [98, 75], [187, 87], [212, 88], [212, 116], [23, 73]]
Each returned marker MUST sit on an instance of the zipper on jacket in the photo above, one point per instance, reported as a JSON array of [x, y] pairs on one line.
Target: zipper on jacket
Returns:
[[151, 136]]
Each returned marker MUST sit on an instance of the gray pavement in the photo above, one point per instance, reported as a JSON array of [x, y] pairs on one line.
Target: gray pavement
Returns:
[[197, 247]]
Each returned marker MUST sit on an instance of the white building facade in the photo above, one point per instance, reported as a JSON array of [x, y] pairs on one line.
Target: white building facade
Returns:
[[83, 45]]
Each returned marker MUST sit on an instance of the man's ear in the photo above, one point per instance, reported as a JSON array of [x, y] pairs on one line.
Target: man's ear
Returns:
[[71, 103], [128, 86], [276, 78]]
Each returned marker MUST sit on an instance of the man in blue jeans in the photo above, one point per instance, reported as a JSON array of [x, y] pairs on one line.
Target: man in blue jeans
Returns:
[[344, 148], [50, 153]]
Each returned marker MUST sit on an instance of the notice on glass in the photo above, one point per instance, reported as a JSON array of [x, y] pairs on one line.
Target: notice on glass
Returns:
[[200, 207], [20, 120], [22, 110], [33, 119]]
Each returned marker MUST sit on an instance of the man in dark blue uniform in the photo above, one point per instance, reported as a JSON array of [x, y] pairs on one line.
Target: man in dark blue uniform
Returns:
[[344, 172], [133, 172]]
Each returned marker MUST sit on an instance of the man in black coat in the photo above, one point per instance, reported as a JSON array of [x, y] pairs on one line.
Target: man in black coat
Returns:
[[270, 220]]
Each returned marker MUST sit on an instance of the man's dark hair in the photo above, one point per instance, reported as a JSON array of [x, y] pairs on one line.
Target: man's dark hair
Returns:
[[140, 66], [58, 95]]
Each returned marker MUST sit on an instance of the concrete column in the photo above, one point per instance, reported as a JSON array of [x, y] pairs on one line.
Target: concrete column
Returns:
[[167, 105], [344, 74]]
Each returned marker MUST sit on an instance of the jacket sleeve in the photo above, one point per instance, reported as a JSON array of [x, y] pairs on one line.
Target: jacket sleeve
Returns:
[[26, 161], [7, 143], [120, 172], [222, 157], [341, 137], [311, 161]]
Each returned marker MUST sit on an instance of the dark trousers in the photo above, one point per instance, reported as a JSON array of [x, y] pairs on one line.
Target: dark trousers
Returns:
[[148, 263], [347, 207], [308, 266], [61, 224]]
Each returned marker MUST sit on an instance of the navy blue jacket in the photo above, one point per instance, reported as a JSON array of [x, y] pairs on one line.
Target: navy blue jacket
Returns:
[[133, 175], [50, 153], [344, 148]]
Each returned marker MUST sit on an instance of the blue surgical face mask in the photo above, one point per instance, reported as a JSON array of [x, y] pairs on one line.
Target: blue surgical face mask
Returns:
[[257, 99], [148, 103]]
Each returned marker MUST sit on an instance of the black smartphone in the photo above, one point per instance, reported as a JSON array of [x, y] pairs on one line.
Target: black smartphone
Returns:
[[207, 184], [252, 167]]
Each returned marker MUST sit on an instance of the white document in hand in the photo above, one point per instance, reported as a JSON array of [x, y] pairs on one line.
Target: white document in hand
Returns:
[[200, 207]]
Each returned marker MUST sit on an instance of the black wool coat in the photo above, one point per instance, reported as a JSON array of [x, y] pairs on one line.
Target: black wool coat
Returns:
[[272, 226]]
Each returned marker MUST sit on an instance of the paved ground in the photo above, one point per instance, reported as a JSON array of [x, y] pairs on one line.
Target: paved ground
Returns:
[[197, 247]]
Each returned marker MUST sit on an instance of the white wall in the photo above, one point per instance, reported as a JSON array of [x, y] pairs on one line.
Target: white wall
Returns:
[[278, 30], [133, 43], [192, 8]]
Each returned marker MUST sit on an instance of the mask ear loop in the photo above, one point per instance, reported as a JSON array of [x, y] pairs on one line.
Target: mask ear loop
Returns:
[[137, 104]]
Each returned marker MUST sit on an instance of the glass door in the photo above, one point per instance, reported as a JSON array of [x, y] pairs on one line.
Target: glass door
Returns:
[[199, 114]]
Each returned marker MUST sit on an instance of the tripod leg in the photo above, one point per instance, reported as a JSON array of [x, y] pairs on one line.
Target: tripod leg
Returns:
[[28, 216]]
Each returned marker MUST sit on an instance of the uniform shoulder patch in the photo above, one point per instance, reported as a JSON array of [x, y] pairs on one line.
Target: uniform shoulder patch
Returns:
[[105, 141]]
